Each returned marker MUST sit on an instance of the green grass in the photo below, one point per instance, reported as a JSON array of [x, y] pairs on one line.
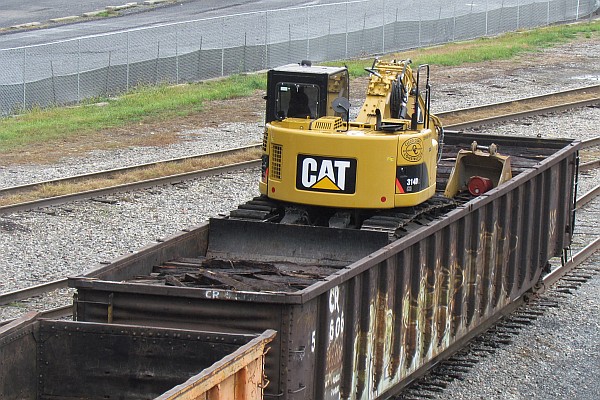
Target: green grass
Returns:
[[503, 47], [106, 14], [160, 103], [143, 104]]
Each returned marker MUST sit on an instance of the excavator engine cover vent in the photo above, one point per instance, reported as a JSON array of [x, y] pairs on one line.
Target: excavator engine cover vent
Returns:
[[276, 150], [328, 123]]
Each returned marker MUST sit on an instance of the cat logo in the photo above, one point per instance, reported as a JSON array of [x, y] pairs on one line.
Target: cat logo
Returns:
[[322, 174]]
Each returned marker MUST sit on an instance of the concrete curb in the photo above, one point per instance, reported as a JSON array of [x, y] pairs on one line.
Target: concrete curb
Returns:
[[71, 18], [122, 7], [152, 2], [65, 19], [93, 13], [26, 25]]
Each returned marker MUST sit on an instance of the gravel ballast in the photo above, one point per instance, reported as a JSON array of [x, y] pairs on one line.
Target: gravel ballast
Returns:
[[52, 243]]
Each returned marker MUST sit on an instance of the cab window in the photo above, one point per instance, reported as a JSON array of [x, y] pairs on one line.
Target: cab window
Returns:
[[296, 100]]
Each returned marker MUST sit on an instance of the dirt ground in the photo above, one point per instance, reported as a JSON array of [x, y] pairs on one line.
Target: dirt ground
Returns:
[[250, 109]]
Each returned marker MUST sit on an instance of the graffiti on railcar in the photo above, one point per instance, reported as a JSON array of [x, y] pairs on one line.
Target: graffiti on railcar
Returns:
[[473, 277], [335, 342]]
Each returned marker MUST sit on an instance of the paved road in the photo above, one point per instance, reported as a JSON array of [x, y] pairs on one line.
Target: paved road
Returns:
[[14, 12]]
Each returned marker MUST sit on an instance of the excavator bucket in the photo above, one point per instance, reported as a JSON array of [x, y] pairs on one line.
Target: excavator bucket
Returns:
[[478, 170]]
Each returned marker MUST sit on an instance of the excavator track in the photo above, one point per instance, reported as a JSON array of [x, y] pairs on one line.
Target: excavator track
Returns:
[[395, 222], [399, 221], [258, 209]]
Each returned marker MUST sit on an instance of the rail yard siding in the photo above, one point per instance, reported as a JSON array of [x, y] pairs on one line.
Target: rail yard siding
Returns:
[[74, 360], [362, 332]]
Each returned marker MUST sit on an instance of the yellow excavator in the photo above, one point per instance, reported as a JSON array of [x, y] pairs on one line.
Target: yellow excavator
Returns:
[[327, 179], [376, 172], [315, 158]]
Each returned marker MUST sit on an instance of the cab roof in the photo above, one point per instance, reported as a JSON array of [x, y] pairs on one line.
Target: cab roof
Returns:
[[314, 69]]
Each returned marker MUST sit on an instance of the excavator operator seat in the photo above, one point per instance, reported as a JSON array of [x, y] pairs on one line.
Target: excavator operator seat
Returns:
[[296, 100]]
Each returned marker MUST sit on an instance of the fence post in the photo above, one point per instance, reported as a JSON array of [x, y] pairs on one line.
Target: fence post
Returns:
[[328, 40], [78, 70], [383, 28], [53, 82], [199, 58], [156, 63], [346, 49], [486, 17], [108, 71], [127, 70], [453, 22], [307, 33], [395, 31], [266, 39], [577, 12], [177, 56], [435, 37], [245, 45], [223, 47], [362, 35], [420, 27], [24, 76], [289, 43]]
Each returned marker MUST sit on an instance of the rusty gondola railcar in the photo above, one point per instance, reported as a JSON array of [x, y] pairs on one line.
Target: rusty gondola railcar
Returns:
[[387, 311]]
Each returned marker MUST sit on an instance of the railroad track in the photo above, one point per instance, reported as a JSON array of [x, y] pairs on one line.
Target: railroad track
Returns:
[[248, 153], [42, 289], [64, 311], [467, 118], [456, 120]]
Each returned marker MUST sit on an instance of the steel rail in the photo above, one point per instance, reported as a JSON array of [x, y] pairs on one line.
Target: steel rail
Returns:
[[590, 165], [112, 172], [587, 197], [593, 142], [586, 90], [22, 294], [170, 179], [53, 313], [522, 114], [57, 200], [32, 291], [575, 261]]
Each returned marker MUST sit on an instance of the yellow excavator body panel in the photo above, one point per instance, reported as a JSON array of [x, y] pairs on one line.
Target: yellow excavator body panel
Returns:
[[353, 166]]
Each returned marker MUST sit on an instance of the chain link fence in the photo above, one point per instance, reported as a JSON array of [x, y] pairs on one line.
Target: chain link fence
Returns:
[[106, 65]]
